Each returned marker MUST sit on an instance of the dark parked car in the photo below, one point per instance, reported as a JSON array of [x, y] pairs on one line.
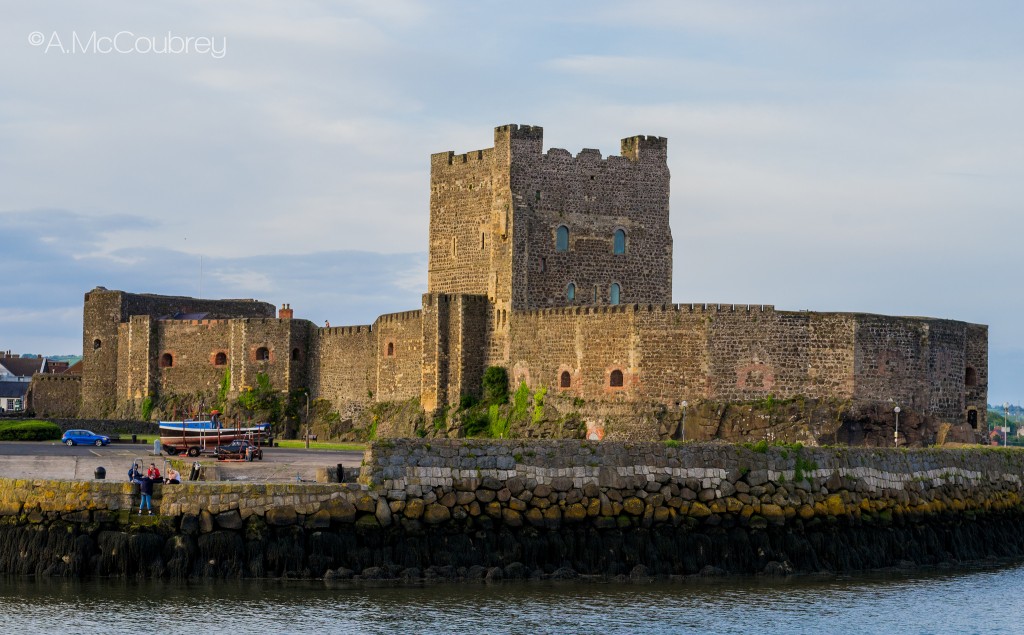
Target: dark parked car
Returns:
[[83, 437], [239, 449]]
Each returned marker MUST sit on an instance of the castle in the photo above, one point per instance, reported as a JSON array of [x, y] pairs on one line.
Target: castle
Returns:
[[558, 268]]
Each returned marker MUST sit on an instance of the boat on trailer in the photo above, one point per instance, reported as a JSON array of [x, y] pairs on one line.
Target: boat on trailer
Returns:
[[194, 436]]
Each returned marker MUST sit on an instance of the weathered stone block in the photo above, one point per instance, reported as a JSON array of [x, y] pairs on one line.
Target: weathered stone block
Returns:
[[281, 516], [435, 514], [229, 520]]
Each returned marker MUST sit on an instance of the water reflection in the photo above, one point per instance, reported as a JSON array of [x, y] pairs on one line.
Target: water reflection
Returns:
[[984, 600]]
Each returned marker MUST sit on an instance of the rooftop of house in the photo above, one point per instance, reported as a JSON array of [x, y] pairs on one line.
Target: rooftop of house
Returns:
[[13, 389], [23, 366]]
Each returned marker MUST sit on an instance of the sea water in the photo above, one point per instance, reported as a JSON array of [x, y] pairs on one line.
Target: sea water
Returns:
[[975, 600]]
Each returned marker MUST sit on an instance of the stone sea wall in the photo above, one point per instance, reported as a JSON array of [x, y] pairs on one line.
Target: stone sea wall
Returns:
[[514, 509]]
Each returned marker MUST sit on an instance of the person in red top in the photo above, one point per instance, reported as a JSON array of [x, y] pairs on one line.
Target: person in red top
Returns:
[[153, 472]]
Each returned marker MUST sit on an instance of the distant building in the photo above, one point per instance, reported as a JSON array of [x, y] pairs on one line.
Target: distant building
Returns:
[[16, 374], [12, 395]]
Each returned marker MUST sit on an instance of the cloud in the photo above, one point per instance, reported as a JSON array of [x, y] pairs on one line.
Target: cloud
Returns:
[[44, 308], [736, 18], [824, 156]]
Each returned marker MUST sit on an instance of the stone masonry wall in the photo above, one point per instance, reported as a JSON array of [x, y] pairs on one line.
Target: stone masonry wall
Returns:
[[166, 357], [589, 343], [434, 363], [976, 397], [608, 485], [193, 346], [105, 310], [454, 348], [462, 234], [755, 353], [101, 317], [918, 363], [343, 367], [735, 353], [52, 395], [464, 509], [467, 341], [398, 373], [137, 362], [675, 352], [592, 198]]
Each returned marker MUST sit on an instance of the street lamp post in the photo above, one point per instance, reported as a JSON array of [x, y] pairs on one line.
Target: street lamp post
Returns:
[[1006, 420], [682, 426], [896, 434], [307, 418]]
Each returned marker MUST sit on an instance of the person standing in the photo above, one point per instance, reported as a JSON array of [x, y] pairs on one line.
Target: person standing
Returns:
[[146, 488]]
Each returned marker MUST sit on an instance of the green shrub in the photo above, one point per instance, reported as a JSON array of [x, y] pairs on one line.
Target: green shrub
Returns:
[[476, 423], [222, 391], [802, 467], [498, 426], [261, 400], [371, 432], [519, 402], [441, 419], [495, 385], [538, 405], [147, 408], [467, 401], [30, 430]]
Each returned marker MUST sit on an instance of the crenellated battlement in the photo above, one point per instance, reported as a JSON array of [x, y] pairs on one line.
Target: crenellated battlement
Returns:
[[649, 308], [209, 323], [589, 158], [361, 329], [521, 131], [53, 377], [430, 299], [451, 158], [642, 147], [402, 316]]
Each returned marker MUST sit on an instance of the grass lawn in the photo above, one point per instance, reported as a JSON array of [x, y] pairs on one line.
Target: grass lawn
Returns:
[[316, 445], [283, 443]]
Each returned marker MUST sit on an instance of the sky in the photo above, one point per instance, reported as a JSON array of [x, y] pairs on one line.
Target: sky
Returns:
[[831, 156]]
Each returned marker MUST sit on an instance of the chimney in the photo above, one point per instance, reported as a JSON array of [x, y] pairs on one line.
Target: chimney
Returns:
[[285, 313]]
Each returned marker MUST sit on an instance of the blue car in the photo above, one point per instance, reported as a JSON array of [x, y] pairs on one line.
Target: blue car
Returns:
[[83, 437]]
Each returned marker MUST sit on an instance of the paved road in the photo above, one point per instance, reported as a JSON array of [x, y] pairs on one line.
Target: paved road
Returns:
[[53, 460]]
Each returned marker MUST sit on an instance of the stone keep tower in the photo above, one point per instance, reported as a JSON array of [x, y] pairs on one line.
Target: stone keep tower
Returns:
[[513, 229], [533, 230]]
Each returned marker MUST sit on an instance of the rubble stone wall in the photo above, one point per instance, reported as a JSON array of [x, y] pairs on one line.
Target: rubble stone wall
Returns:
[[461, 509], [55, 395]]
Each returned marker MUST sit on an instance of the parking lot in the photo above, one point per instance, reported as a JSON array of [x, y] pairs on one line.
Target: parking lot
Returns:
[[52, 460]]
